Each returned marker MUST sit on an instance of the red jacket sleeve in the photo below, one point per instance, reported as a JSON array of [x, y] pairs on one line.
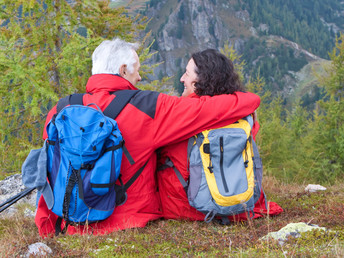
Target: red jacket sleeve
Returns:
[[255, 129], [177, 119]]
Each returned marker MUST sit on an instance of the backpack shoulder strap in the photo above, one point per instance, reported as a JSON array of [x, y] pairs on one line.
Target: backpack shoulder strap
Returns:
[[259, 166], [121, 190], [113, 109], [74, 99], [119, 102], [169, 164], [191, 143], [116, 106]]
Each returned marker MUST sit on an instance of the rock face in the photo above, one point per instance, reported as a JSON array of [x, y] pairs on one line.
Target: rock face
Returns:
[[182, 27], [193, 25], [11, 186]]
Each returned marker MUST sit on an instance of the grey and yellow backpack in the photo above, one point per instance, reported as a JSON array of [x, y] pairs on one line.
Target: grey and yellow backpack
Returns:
[[225, 171]]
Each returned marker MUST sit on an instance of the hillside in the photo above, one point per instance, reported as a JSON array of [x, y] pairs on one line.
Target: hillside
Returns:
[[276, 40], [297, 146]]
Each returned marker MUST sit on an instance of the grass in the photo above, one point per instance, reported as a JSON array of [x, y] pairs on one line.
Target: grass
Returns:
[[198, 239]]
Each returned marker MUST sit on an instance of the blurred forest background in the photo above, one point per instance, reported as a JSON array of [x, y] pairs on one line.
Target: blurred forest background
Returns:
[[290, 53]]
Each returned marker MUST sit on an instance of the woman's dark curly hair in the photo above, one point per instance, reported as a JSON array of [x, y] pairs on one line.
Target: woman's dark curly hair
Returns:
[[216, 74]]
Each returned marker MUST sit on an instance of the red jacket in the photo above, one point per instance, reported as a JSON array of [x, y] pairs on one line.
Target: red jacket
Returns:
[[151, 120], [174, 201]]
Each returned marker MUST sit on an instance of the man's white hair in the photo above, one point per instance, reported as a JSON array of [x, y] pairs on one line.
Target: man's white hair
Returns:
[[110, 55]]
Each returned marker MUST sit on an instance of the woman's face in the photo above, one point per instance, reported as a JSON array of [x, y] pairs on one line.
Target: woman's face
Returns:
[[189, 78]]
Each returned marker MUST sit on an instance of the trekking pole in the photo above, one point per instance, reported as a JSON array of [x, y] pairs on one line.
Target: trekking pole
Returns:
[[15, 198]]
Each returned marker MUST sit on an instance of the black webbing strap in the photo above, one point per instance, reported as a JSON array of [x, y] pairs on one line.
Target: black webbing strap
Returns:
[[127, 154], [115, 147], [119, 102], [124, 149], [73, 179], [103, 185], [134, 177], [122, 189], [169, 164], [58, 226], [74, 99], [79, 182]]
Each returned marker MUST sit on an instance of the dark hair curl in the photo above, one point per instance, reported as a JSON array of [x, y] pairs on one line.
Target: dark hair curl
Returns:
[[216, 74]]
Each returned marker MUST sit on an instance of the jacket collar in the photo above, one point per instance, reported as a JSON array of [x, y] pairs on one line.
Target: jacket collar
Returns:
[[193, 95], [108, 83]]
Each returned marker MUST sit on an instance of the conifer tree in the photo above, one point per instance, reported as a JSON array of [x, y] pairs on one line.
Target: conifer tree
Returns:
[[45, 50], [328, 133], [239, 64]]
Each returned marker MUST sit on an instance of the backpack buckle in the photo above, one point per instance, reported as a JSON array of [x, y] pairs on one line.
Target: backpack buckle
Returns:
[[246, 163], [87, 166]]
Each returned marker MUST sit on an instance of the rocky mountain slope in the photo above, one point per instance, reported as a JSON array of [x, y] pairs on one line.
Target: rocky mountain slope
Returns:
[[181, 27]]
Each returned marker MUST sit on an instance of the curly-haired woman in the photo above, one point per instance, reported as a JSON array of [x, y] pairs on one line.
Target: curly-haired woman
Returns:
[[207, 73]]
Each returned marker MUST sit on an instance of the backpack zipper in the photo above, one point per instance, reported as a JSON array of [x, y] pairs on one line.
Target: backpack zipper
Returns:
[[221, 165]]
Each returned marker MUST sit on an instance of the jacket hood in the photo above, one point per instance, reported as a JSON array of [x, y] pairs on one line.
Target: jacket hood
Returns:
[[107, 82]]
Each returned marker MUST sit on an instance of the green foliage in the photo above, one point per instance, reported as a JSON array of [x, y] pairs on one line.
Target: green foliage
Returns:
[[272, 63], [300, 145], [273, 139], [43, 57], [299, 21], [239, 64], [328, 126]]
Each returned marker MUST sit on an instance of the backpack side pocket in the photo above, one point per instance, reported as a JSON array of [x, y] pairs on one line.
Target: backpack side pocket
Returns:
[[99, 182]]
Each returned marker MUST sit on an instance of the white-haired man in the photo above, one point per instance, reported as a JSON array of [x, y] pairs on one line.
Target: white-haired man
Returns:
[[149, 121], [117, 57]]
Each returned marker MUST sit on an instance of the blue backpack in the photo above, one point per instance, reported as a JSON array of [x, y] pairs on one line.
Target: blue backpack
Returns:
[[85, 150]]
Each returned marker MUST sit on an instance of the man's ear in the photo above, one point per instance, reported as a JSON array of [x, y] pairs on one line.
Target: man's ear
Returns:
[[123, 70]]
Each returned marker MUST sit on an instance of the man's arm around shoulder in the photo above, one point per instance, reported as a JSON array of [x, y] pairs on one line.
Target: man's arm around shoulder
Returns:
[[177, 119]]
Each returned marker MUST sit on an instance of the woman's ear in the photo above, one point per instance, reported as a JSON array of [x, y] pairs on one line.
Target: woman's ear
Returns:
[[123, 70], [193, 85]]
